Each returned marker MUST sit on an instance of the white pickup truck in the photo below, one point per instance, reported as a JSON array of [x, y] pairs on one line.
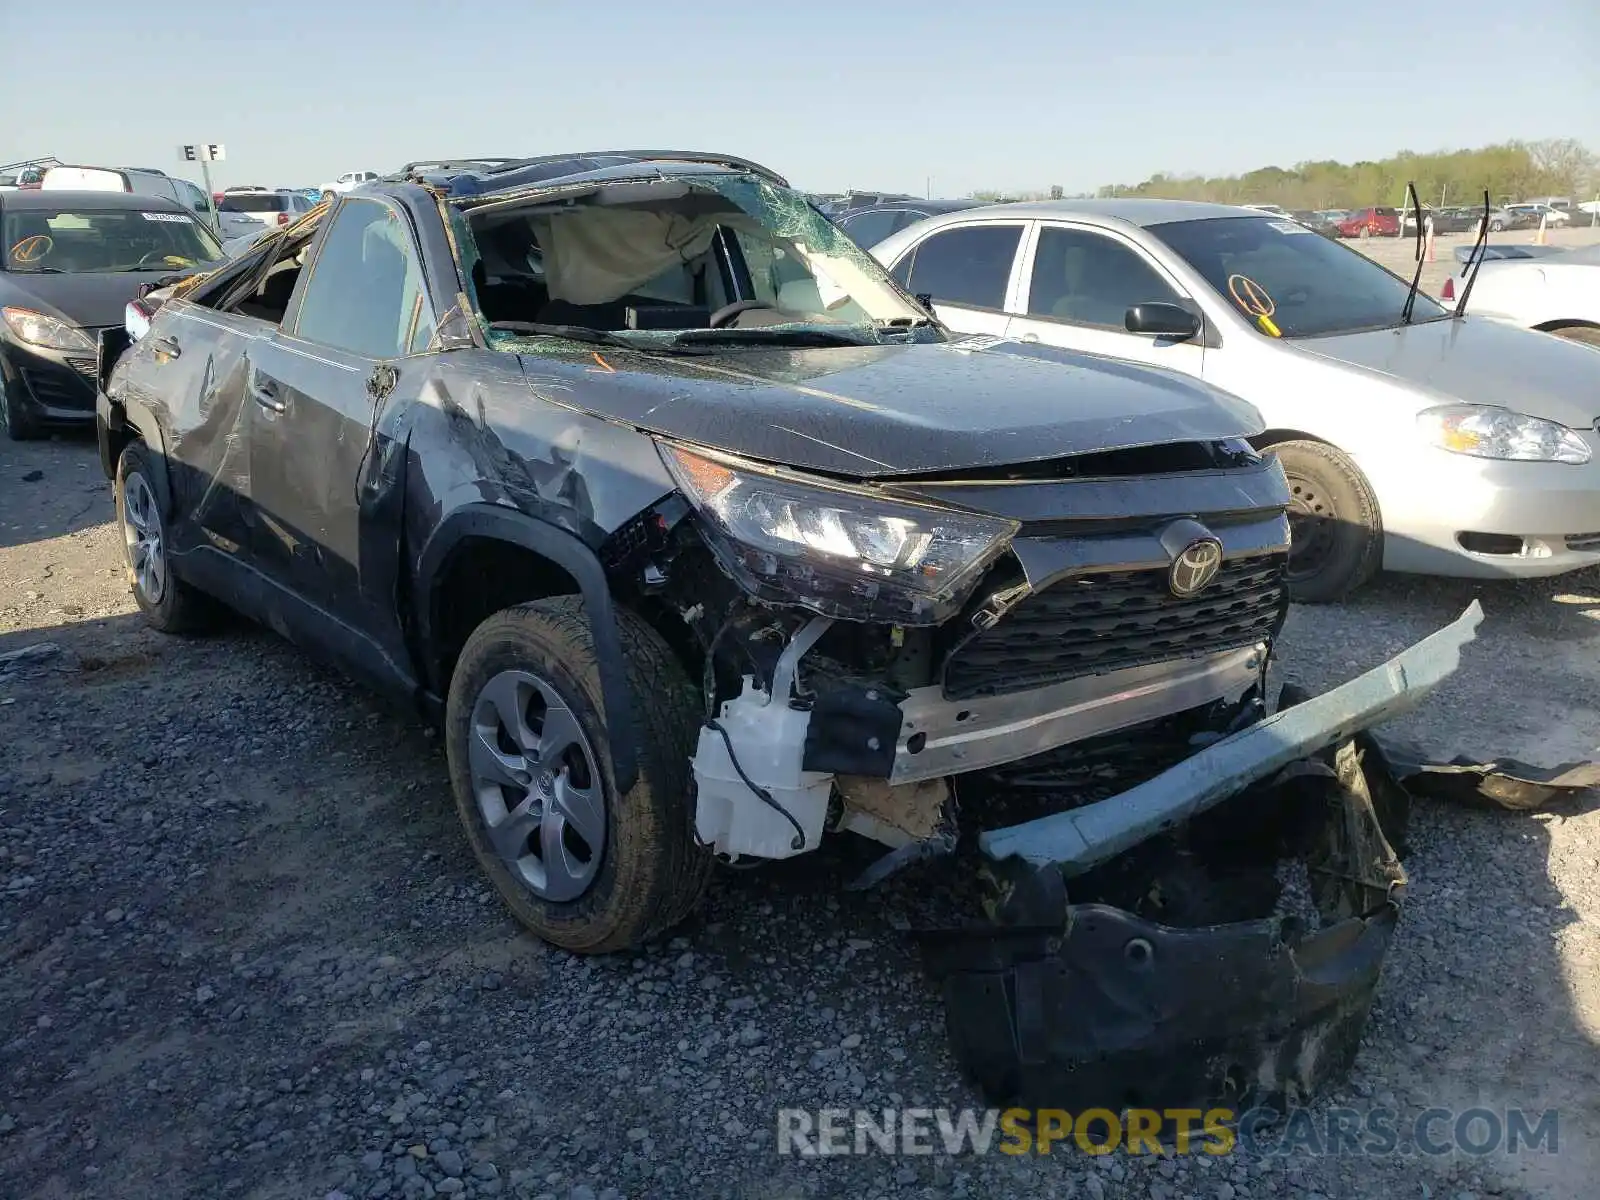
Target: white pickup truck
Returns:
[[350, 179]]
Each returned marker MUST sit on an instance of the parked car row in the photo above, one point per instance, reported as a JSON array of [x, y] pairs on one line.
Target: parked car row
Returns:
[[1381, 221]]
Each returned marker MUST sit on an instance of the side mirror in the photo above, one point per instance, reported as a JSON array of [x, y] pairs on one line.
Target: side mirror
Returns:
[[1162, 320]]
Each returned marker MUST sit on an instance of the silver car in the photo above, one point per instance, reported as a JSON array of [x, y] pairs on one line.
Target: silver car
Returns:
[[1449, 446]]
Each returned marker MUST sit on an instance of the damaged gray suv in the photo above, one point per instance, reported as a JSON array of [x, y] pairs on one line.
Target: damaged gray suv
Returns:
[[699, 536]]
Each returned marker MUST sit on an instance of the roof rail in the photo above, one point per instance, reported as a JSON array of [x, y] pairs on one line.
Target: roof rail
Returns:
[[699, 156], [453, 164], [48, 160]]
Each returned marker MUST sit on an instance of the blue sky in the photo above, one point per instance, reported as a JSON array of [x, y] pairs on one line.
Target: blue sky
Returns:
[[831, 94]]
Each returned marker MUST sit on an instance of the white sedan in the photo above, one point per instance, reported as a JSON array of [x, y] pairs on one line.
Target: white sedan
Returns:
[[1538, 287], [1412, 439]]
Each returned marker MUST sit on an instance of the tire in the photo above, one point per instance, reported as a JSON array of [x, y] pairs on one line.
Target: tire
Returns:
[[1497, 226], [19, 424], [1365, 233], [1587, 334], [649, 870], [1334, 518], [168, 603]]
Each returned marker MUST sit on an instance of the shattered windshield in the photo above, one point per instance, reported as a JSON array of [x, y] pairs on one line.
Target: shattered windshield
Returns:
[[1289, 280], [722, 260], [83, 241]]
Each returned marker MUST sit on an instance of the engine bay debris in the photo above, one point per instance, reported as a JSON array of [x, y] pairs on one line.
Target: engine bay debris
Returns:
[[1080, 838], [1212, 937]]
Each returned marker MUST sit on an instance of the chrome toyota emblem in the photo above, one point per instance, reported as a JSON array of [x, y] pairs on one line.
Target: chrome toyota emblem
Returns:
[[1195, 568]]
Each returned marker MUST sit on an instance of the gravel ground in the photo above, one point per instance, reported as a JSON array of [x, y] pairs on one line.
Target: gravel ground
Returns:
[[247, 954]]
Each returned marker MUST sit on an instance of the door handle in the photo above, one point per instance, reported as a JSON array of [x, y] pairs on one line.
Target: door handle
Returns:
[[265, 393], [167, 347]]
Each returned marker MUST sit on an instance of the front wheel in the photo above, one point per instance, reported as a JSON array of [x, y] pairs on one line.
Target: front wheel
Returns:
[[579, 864], [19, 424], [1335, 529], [1496, 226]]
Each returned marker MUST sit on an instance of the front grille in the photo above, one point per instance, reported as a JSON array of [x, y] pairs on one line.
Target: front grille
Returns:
[[60, 389], [1583, 541], [83, 366], [1083, 772], [1093, 624]]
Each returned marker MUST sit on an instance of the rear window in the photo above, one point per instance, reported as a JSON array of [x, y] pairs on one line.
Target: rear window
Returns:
[[90, 179], [265, 202]]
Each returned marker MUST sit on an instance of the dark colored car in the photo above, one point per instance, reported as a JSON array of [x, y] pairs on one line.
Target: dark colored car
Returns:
[[697, 533], [851, 201], [69, 264], [1370, 222], [1456, 219], [869, 226], [1313, 220]]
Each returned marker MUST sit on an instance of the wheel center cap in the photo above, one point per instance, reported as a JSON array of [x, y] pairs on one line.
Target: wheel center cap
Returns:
[[544, 783]]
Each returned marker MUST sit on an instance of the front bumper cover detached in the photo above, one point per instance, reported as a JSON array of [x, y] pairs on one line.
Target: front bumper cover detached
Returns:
[[1227, 925]]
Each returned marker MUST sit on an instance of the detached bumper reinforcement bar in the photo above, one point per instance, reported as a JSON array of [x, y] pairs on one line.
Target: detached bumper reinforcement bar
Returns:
[[1081, 838], [948, 737]]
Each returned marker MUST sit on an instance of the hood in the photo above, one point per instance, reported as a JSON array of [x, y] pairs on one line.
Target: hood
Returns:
[[1475, 360], [91, 299], [874, 411]]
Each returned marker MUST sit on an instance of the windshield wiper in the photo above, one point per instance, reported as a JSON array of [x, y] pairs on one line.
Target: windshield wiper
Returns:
[[1416, 276], [575, 333], [768, 337], [1475, 259]]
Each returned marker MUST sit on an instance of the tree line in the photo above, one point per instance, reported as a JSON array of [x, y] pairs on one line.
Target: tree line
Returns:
[[1511, 171]]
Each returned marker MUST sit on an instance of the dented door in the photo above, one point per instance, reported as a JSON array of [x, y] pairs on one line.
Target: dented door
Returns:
[[188, 371]]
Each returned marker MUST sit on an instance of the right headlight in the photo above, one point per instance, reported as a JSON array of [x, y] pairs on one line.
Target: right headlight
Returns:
[[1484, 431], [839, 551]]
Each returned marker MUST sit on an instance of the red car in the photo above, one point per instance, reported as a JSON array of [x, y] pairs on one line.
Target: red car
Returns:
[[1370, 222]]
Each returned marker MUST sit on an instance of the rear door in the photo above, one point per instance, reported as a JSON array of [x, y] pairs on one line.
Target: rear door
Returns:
[[187, 370], [969, 270], [350, 348], [1078, 283]]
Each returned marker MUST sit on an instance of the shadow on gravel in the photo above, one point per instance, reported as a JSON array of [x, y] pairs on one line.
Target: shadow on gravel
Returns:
[[51, 488], [1564, 607], [1484, 1012]]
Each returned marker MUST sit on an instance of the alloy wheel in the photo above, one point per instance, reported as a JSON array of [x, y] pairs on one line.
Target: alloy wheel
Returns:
[[141, 532], [537, 786]]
